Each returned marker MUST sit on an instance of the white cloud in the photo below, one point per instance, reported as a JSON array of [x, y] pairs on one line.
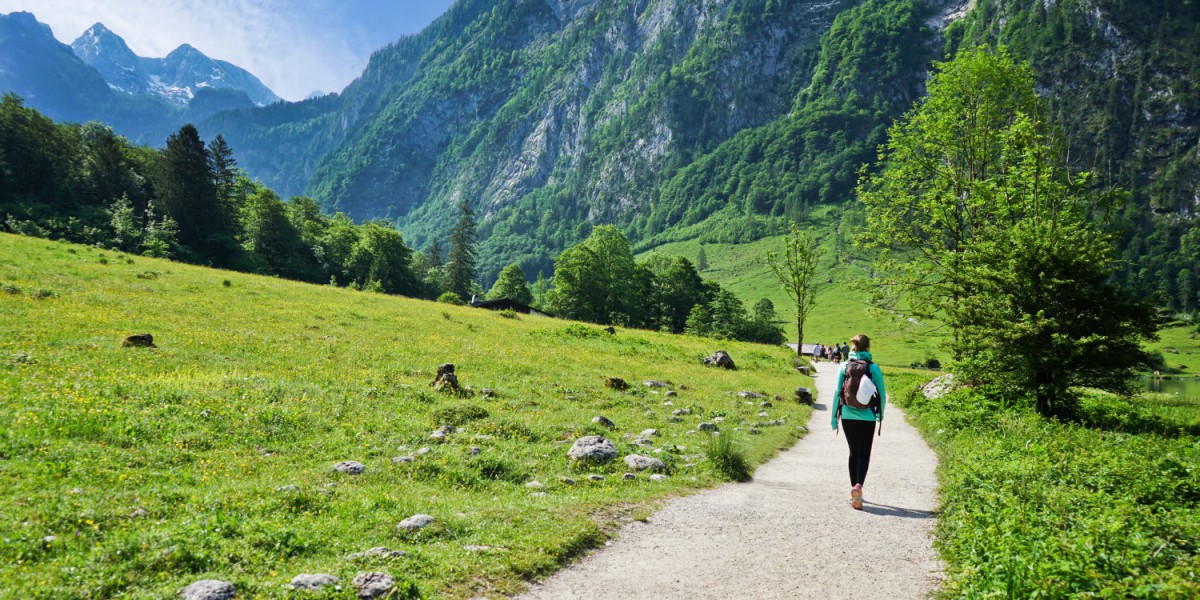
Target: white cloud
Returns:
[[293, 47]]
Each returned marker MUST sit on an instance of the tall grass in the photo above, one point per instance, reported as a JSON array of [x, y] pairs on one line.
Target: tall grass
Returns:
[[727, 458]]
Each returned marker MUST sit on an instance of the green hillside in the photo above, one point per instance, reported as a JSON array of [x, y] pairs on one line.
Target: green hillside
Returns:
[[134, 471], [841, 310]]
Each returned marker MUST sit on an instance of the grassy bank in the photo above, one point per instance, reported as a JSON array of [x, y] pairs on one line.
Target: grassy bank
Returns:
[[133, 471], [1032, 508]]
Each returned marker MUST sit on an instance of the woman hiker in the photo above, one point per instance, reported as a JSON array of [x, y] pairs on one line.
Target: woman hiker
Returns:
[[859, 423]]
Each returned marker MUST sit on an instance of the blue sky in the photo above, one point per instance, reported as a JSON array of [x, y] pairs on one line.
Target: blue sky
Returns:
[[294, 46]]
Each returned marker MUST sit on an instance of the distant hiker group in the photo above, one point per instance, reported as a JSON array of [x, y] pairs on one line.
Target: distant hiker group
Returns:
[[835, 354]]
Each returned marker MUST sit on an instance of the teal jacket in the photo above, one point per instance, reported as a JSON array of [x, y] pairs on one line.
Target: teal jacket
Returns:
[[858, 414]]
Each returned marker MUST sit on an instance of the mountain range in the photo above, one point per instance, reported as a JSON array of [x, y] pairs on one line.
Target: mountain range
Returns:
[[99, 77], [685, 119], [175, 78]]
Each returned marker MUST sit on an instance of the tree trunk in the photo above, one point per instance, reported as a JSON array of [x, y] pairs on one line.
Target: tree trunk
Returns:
[[799, 337]]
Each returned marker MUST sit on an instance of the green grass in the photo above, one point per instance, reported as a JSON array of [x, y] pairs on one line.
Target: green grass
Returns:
[[840, 311], [1180, 348], [263, 383], [1035, 508]]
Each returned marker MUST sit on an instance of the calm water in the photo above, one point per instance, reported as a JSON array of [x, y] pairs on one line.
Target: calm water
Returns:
[[1187, 388]]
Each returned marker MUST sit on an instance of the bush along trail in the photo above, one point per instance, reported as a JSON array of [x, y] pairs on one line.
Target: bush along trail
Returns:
[[787, 533]]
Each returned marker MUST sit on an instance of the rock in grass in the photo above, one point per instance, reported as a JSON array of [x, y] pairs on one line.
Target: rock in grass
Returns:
[[209, 589], [707, 427], [139, 513], [596, 477], [287, 489], [629, 477], [474, 450], [638, 462], [312, 582], [681, 411], [616, 383], [603, 421], [649, 432], [592, 449], [350, 467], [535, 485], [373, 585], [403, 459], [378, 551], [765, 405], [720, 358], [671, 393], [141, 340], [654, 384], [751, 395], [416, 522], [658, 477]]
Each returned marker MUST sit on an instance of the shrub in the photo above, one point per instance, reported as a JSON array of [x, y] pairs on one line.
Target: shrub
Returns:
[[450, 298], [509, 313], [727, 458]]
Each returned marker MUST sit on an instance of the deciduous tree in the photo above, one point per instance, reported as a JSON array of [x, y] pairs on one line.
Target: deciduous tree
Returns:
[[796, 270]]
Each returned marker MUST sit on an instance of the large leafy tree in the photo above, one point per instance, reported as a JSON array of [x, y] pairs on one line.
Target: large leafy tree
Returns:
[[984, 225], [599, 281], [380, 260], [946, 168], [512, 285]]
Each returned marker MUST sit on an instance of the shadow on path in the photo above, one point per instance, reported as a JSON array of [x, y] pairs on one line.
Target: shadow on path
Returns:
[[895, 511]]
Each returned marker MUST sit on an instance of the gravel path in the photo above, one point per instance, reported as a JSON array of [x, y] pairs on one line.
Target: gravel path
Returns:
[[789, 533]]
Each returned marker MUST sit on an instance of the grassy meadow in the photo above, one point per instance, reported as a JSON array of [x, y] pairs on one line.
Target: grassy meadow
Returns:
[[131, 472]]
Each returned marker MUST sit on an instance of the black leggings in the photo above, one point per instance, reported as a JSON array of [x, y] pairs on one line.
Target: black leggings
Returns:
[[859, 434]]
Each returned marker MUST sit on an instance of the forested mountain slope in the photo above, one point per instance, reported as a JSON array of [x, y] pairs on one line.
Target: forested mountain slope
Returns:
[[657, 115], [545, 116]]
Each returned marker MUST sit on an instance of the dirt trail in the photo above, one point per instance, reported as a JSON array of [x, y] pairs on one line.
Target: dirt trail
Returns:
[[789, 533]]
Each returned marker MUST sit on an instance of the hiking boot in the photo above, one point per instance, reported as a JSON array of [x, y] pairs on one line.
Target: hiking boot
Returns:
[[856, 497]]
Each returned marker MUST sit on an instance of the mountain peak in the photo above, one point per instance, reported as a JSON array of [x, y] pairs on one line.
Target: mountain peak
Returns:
[[185, 50], [26, 21], [98, 29]]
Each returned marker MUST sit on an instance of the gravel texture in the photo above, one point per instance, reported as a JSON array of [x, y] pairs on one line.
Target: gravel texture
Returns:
[[788, 533]]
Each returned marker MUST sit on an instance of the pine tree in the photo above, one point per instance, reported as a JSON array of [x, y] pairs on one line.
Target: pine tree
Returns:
[[186, 192], [702, 260], [434, 254], [461, 265], [224, 170]]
